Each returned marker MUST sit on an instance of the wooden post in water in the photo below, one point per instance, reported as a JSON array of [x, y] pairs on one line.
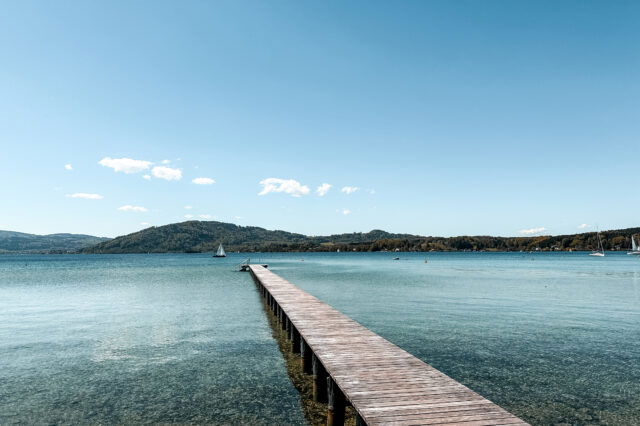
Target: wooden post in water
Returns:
[[319, 381], [295, 340], [305, 352], [335, 411]]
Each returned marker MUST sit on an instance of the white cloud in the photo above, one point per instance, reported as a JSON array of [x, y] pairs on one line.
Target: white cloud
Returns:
[[85, 196], [188, 216], [188, 207], [145, 224], [165, 161], [68, 167], [372, 191], [584, 226], [147, 177], [166, 173], [238, 217], [125, 165], [532, 231], [203, 181], [349, 189], [346, 211], [130, 208], [323, 189], [205, 216], [288, 186]]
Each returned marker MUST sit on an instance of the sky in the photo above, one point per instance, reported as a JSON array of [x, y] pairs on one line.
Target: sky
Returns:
[[425, 117]]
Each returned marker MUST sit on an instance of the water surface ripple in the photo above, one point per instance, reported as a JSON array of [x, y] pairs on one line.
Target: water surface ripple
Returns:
[[552, 337]]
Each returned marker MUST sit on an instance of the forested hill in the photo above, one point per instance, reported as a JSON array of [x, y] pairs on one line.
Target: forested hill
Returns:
[[20, 242], [196, 236]]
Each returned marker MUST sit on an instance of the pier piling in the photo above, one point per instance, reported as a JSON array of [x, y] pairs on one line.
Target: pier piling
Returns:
[[319, 380], [336, 408]]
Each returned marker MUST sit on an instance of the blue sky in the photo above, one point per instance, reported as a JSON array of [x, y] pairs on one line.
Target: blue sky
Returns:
[[450, 118]]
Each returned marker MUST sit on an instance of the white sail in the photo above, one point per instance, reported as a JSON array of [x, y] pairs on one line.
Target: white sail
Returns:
[[634, 246], [220, 252], [600, 251]]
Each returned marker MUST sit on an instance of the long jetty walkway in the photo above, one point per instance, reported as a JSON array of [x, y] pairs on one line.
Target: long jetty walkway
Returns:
[[351, 365]]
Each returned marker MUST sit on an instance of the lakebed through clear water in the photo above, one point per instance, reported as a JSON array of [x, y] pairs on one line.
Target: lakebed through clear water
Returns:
[[552, 337]]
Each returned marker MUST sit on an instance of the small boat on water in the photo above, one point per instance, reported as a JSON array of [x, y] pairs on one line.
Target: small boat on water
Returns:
[[220, 252], [635, 250], [600, 251]]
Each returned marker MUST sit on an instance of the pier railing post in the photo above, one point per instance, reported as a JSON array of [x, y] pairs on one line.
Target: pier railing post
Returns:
[[335, 411], [319, 380]]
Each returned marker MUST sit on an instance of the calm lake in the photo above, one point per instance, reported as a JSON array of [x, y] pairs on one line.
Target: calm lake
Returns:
[[552, 337]]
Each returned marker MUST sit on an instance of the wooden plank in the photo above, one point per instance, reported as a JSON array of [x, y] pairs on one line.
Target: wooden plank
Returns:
[[384, 383]]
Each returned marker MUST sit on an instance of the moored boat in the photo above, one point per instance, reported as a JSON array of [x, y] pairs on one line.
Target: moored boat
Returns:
[[220, 252], [635, 250]]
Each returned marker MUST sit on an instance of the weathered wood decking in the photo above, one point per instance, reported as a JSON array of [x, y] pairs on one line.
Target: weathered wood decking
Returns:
[[353, 365]]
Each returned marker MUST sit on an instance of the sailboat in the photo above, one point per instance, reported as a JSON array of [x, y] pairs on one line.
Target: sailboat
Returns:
[[599, 252], [220, 252], [635, 250]]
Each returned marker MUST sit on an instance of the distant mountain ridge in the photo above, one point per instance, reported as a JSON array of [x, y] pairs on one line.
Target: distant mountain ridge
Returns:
[[20, 242], [197, 236]]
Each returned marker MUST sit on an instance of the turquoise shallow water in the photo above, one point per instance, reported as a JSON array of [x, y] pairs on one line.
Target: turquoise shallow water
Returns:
[[136, 339], [553, 337]]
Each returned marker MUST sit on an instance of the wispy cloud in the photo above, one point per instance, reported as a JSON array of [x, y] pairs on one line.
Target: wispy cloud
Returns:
[[147, 177], [372, 191], [323, 189], [125, 165], [145, 224], [345, 212], [68, 167], [288, 186], [130, 208], [166, 173], [165, 161], [85, 196], [532, 231], [584, 226], [203, 181], [205, 216], [188, 207], [349, 189], [188, 216]]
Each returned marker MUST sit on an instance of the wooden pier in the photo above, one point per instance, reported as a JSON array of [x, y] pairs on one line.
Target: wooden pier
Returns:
[[351, 365]]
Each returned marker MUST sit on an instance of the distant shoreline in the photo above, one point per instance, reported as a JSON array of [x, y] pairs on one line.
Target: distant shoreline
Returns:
[[246, 253], [205, 236]]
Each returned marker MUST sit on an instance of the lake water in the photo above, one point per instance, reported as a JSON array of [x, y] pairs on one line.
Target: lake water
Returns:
[[552, 337]]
